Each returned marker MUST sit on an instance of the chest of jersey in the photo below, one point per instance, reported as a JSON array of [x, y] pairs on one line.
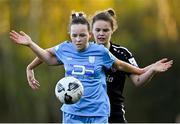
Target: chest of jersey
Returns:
[[88, 64], [83, 65], [81, 68]]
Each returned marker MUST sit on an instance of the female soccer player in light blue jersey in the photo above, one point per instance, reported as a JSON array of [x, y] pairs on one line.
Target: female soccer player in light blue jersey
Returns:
[[85, 61]]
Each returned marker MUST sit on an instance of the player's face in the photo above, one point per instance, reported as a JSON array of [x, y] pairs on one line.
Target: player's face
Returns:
[[102, 32], [80, 36]]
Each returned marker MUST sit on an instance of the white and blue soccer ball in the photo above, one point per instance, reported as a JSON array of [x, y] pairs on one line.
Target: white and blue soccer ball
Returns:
[[69, 90]]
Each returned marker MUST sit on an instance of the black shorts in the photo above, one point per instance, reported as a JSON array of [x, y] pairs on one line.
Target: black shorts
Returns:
[[117, 114]]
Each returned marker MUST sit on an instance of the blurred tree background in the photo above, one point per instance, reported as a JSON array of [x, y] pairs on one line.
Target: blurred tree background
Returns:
[[148, 28]]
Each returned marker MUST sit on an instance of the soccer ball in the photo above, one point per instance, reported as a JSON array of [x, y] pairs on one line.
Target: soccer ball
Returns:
[[69, 90]]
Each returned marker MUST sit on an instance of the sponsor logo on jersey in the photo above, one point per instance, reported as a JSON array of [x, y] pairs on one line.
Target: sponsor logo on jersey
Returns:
[[109, 79], [81, 70]]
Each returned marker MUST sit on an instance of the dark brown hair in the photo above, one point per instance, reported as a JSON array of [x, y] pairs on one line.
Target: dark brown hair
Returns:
[[79, 18], [106, 15]]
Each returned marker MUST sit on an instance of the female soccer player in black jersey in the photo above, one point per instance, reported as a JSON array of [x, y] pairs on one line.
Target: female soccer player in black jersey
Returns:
[[103, 26]]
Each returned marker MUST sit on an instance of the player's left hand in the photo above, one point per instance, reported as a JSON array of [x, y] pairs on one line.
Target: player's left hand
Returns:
[[162, 65], [33, 83]]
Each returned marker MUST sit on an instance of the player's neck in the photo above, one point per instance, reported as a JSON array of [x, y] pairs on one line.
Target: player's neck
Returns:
[[108, 45]]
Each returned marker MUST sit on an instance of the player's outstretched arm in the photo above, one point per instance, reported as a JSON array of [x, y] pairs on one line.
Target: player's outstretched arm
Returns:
[[33, 83], [157, 67], [23, 39], [124, 66]]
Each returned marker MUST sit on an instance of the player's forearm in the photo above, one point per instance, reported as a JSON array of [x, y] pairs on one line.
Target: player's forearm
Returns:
[[144, 78], [129, 68], [148, 67], [36, 62], [44, 55]]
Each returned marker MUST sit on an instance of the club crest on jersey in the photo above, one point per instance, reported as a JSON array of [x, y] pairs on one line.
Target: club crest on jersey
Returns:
[[91, 59]]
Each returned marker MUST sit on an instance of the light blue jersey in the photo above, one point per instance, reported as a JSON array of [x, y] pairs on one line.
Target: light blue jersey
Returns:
[[88, 66]]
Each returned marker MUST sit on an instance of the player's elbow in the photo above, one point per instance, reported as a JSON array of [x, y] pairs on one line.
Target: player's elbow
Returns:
[[54, 62], [49, 63], [138, 82]]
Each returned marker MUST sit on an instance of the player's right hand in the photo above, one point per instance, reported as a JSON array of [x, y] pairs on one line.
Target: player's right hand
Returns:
[[20, 38]]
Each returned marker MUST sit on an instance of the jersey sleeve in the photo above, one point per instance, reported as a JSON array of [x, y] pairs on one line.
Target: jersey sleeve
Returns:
[[108, 58], [58, 52], [124, 54], [128, 57]]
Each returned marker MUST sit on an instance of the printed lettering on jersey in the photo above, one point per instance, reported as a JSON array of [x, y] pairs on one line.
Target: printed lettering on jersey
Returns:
[[91, 59], [80, 70], [133, 61], [109, 79]]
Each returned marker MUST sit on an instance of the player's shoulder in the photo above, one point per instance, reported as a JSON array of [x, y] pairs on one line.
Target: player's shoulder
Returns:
[[66, 43], [120, 49], [97, 46], [98, 49], [62, 45]]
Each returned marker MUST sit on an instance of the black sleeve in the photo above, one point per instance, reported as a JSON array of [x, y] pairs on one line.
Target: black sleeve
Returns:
[[125, 55]]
